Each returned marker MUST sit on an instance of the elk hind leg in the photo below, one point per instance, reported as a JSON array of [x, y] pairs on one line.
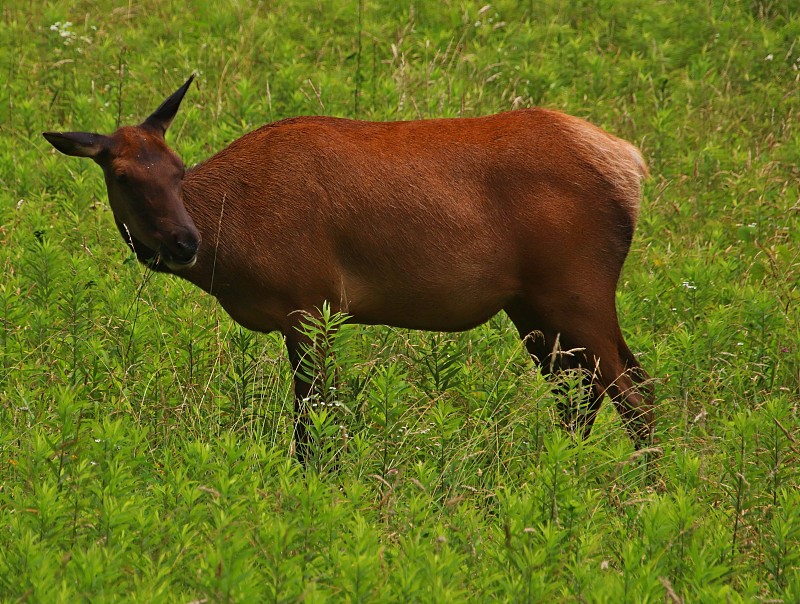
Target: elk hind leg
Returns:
[[579, 400], [589, 341], [618, 374]]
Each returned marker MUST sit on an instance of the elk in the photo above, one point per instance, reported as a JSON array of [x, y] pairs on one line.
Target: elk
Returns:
[[432, 224]]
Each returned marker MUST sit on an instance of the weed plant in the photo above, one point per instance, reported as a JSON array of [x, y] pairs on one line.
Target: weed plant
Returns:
[[145, 438]]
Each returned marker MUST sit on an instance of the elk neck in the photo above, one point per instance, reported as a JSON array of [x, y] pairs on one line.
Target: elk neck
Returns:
[[215, 208]]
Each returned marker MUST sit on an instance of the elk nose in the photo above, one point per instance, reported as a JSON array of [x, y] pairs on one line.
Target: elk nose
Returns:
[[187, 245]]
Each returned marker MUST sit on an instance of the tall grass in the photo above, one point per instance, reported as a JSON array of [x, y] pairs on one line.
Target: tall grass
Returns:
[[144, 437]]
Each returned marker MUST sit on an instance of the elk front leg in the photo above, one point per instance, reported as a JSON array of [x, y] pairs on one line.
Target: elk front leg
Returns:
[[297, 347]]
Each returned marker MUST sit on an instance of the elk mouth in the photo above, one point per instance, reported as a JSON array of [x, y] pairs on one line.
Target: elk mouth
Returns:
[[173, 262], [159, 260], [182, 253]]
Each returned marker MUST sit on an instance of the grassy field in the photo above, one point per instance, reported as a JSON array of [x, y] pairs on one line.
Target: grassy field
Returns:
[[144, 437]]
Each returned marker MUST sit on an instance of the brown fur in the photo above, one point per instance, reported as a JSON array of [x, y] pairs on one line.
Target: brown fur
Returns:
[[432, 224]]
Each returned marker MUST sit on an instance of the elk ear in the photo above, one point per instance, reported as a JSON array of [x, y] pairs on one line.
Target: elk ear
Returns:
[[162, 117], [78, 144]]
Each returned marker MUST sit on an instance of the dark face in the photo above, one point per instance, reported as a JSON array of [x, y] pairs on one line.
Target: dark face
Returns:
[[144, 179]]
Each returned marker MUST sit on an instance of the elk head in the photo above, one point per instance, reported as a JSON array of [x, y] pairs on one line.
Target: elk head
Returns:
[[144, 181]]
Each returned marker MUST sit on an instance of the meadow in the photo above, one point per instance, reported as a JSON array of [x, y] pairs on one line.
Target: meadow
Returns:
[[145, 438]]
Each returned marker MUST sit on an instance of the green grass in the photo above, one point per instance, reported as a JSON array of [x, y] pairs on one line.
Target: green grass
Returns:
[[144, 437]]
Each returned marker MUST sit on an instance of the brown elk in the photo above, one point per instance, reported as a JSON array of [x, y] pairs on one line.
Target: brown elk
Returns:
[[431, 224]]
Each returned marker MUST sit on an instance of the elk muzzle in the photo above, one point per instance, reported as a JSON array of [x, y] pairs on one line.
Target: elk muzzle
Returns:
[[181, 252]]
